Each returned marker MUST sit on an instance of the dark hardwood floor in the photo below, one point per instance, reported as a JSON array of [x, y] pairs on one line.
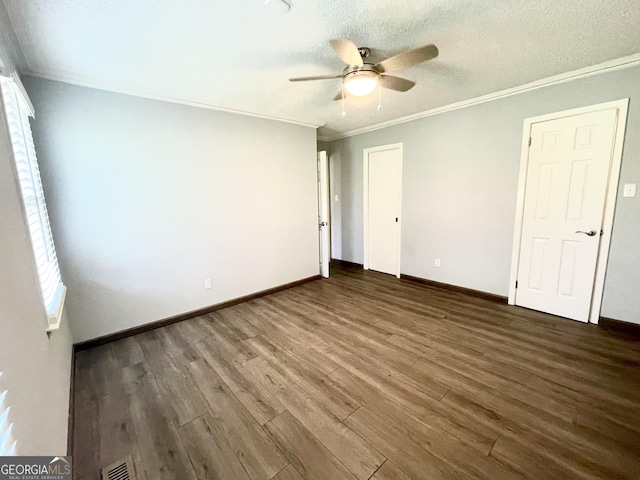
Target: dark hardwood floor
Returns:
[[363, 376]]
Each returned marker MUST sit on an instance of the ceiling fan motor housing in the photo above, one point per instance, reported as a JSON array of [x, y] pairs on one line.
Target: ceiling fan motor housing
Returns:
[[367, 67], [364, 52]]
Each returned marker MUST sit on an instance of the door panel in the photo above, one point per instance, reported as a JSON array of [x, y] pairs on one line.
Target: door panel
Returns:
[[537, 263], [384, 187], [323, 213], [567, 176], [577, 185]]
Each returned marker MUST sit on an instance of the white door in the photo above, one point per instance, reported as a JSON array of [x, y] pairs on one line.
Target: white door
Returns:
[[323, 213], [383, 191], [566, 187]]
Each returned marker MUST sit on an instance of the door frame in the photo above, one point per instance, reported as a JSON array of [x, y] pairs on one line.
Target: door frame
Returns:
[[622, 106], [324, 198], [365, 200]]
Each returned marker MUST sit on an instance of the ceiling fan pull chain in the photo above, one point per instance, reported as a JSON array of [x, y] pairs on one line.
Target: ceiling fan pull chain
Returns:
[[342, 90], [379, 93]]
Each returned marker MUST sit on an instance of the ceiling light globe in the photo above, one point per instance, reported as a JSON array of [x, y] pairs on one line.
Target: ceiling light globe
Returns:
[[360, 84]]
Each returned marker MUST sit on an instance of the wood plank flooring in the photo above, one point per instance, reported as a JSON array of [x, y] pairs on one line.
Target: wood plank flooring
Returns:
[[363, 376]]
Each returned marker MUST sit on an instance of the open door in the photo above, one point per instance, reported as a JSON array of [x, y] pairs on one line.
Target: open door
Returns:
[[323, 213], [569, 177]]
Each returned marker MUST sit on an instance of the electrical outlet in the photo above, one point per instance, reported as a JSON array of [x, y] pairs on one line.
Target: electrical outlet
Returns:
[[437, 262], [207, 284], [629, 190]]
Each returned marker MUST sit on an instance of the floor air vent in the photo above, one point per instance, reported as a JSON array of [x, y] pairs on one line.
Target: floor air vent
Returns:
[[120, 470]]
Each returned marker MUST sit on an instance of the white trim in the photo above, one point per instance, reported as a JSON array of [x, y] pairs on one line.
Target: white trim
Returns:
[[324, 202], [365, 208], [622, 106], [612, 65], [24, 95], [108, 87], [365, 201], [609, 210], [56, 317], [401, 147], [53, 319], [517, 228]]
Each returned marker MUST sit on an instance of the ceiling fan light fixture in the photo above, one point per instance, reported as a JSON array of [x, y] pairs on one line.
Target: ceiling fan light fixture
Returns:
[[361, 83]]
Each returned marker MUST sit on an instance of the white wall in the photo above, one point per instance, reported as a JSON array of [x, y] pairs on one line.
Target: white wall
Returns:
[[36, 369], [460, 183], [149, 198]]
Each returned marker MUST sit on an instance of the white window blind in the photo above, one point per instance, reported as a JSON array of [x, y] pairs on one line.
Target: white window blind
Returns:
[[7, 443], [16, 112]]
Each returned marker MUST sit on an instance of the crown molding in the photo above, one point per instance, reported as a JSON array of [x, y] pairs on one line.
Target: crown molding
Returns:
[[612, 65], [133, 92], [9, 34]]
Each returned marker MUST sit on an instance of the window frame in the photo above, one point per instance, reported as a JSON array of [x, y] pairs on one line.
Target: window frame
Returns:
[[34, 209], [7, 440]]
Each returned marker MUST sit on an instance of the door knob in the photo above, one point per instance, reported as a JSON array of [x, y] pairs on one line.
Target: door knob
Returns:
[[323, 224], [591, 233]]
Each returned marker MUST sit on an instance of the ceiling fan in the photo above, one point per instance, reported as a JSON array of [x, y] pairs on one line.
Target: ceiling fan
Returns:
[[360, 78]]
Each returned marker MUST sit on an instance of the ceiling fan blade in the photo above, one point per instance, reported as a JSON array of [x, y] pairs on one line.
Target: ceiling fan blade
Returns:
[[397, 83], [338, 97], [322, 77], [408, 59], [347, 51]]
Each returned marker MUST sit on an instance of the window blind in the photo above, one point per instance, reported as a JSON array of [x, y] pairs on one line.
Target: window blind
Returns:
[[16, 114], [7, 443]]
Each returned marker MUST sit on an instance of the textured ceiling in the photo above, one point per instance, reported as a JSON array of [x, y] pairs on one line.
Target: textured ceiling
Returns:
[[239, 54]]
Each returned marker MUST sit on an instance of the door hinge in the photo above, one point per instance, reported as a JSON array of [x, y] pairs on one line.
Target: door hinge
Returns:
[[529, 141], [516, 283]]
